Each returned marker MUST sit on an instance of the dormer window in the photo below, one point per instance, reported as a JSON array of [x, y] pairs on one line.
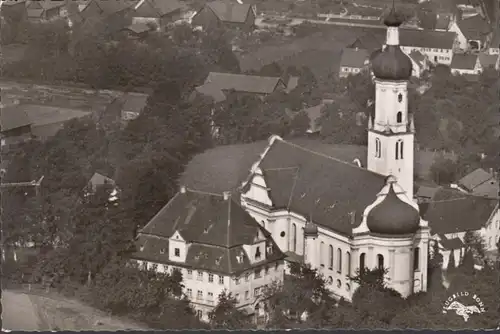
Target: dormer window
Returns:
[[141, 248], [269, 249], [257, 254], [239, 258]]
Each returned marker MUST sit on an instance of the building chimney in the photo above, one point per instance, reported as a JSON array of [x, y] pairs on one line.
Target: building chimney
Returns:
[[183, 189], [226, 195]]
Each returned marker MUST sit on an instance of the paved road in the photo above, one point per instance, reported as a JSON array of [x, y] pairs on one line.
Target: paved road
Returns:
[[18, 313]]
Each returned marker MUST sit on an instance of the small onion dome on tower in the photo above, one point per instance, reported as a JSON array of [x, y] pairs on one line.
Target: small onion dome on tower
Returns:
[[310, 229], [391, 63], [392, 216]]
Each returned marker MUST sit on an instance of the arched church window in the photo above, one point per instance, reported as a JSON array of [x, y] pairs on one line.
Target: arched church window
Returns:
[[400, 97], [339, 260], [362, 264], [322, 254], [294, 238], [399, 117], [330, 260], [378, 148], [380, 261], [416, 258], [348, 260], [399, 149]]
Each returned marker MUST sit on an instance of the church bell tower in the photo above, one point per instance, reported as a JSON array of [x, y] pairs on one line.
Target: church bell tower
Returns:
[[391, 130]]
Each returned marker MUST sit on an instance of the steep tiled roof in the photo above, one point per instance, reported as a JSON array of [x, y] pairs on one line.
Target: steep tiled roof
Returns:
[[156, 8], [354, 58], [427, 38], [215, 229], [243, 83], [134, 101], [442, 21], [426, 192], [488, 60], [212, 90], [138, 28], [99, 180], [417, 56], [474, 28], [452, 211], [230, 11], [45, 4], [35, 13], [369, 41], [451, 244], [475, 178], [13, 117], [464, 61]]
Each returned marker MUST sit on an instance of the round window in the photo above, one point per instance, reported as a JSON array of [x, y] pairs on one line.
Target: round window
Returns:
[[282, 234], [339, 283]]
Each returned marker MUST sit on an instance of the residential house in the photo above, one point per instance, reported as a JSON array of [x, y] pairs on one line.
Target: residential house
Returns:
[[465, 64], [494, 47], [98, 180], [117, 14], [438, 46], [420, 63], [15, 126], [138, 30], [227, 14], [425, 193], [480, 183], [14, 9], [46, 10], [353, 61], [218, 84], [216, 245], [123, 109], [489, 61], [443, 21], [368, 41], [160, 13], [451, 213], [473, 33]]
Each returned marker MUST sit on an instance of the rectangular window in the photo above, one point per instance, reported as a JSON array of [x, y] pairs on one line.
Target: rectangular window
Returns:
[[221, 279], [256, 292], [237, 280], [199, 294], [210, 296], [247, 294], [189, 293], [200, 276], [210, 278], [177, 252], [189, 273], [257, 273]]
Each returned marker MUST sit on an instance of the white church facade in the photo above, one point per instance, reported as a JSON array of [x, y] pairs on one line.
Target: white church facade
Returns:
[[309, 203]]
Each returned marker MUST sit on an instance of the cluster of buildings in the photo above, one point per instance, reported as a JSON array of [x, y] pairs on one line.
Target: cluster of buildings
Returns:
[[244, 211], [465, 39]]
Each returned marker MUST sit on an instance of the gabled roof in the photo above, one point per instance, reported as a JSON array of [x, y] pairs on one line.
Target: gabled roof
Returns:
[[156, 8], [368, 41], [488, 60], [474, 179], [305, 176], [451, 244], [109, 7], [474, 28], [244, 83], [35, 13], [426, 192], [427, 38], [442, 21], [212, 90], [356, 57], [138, 28], [13, 117], [464, 61], [229, 11], [216, 229], [417, 57], [452, 211], [13, 2], [99, 180]]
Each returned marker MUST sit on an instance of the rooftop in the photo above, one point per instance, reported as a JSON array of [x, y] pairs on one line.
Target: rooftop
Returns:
[[12, 117], [355, 57], [488, 60], [426, 38], [464, 61], [156, 8], [243, 83], [216, 229], [475, 27], [134, 102], [230, 11]]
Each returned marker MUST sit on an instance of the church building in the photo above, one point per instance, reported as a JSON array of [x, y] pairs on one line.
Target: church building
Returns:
[[330, 206]]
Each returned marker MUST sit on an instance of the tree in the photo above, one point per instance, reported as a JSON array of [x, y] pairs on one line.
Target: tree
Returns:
[[226, 314], [475, 243], [271, 70], [340, 124], [467, 265], [444, 171]]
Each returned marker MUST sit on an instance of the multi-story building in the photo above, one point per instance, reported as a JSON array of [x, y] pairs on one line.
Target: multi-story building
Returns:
[[438, 46]]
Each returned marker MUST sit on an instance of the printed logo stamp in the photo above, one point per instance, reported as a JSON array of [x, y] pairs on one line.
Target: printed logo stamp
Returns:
[[464, 305]]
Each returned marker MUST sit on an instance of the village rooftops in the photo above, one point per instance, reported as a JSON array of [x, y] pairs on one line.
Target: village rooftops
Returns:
[[45, 4], [452, 211], [464, 61], [426, 39], [488, 60], [302, 176], [12, 117], [231, 12], [244, 83], [474, 28], [478, 178], [216, 228]]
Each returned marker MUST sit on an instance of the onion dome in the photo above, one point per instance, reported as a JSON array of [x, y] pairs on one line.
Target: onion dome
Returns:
[[393, 216], [391, 64], [310, 229], [393, 19]]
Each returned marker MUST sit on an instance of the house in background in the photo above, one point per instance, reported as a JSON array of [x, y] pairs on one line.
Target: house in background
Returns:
[[123, 109], [489, 61], [160, 13], [368, 41], [353, 61], [138, 30], [225, 13], [46, 10], [473, 33], [494, 47], [466, 64], [479, 183], [218, 84], [15, 126], [117, 14], [420, 63], [438, 46]]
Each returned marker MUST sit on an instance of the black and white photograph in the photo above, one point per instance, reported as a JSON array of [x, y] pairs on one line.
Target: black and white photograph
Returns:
[[249, 165]]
